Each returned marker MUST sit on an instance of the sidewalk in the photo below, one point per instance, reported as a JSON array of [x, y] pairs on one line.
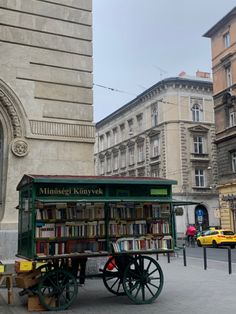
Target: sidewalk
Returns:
[[186, 290]]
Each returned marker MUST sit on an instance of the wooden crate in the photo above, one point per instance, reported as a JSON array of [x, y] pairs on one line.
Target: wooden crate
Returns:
[[29, 279], [35, 305]]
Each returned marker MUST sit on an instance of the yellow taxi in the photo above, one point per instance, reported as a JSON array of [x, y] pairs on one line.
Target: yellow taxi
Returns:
[[217, 238]]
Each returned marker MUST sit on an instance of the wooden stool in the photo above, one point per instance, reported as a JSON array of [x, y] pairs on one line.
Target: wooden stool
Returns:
[[9, 285]]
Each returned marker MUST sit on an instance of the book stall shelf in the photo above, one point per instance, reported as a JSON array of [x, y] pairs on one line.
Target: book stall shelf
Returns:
[[82, 215]]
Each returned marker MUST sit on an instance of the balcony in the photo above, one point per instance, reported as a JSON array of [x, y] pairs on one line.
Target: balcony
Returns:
[[199, 157]]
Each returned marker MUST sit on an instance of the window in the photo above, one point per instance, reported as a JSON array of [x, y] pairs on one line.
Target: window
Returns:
[[231, 118], [101, 140], [130, 126], [132, 173], [199, 178], [140, 121], [140, 152], [115, 162], [155, 171], [155, 147], [115, 136], [228, 75], [198, 144], [226, 39], [141, 172], [108, 163], [196, 113], [123, 159], [102, 170], [233, 159], [122, 131], [108, 136], [154, 114], [131, 155]]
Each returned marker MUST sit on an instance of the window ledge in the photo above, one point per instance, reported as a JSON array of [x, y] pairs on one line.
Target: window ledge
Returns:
[[201, 188], [140, 162]]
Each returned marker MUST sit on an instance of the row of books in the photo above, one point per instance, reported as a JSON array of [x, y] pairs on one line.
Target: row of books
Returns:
[[91, 211], [70, 211], [143, 244], [97, 228], [138, 227], [137, 211], [50, 248], [127, 228], [159, 227], [44, 248], [89, 229]]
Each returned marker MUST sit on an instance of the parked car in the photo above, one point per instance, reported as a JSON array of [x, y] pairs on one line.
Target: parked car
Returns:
[[201, 233], [217, 238]]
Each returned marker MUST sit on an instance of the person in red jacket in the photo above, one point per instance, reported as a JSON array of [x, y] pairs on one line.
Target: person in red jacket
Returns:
[[190, 233]]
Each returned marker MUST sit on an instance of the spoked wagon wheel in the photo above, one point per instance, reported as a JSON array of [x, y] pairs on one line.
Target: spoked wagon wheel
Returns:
[[113, 273], [143, 280], [57, 289]]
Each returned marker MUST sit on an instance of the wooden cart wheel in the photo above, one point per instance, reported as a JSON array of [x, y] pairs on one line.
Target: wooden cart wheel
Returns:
[[57, 290], [143, 280], [113, 273]]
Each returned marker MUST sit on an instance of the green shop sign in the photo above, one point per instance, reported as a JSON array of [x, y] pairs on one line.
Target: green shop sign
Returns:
[[70, 191], [162, 192]]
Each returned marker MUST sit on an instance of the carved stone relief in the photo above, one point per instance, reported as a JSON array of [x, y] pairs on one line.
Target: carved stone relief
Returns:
[[20, 147], [15, 121]]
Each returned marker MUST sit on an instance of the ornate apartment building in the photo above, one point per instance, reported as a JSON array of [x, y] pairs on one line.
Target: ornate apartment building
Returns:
[[46, 108], [223, 42], [167, 131]]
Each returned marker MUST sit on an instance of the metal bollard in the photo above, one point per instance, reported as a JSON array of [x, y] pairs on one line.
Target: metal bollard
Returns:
[[168, 257], [205, 258], [184, 255], [229, 261]]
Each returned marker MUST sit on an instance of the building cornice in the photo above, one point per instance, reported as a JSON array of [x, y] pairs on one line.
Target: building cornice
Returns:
[[174, 82], [228, 17]]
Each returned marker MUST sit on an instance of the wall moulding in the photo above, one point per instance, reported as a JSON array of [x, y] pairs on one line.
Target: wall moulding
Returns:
[[56, 130]]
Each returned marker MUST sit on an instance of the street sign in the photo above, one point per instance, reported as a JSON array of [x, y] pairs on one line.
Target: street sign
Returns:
[[199, 213]]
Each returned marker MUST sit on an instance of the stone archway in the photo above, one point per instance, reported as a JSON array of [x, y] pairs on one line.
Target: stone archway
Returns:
[[201, 217], [12, 135]]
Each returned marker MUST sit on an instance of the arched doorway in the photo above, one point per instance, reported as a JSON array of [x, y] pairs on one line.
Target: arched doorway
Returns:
[[201, 217], [1, 162]]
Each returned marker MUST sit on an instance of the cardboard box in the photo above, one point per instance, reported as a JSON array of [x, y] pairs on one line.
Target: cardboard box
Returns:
[[35, 305], [29, 279], [23, 266]]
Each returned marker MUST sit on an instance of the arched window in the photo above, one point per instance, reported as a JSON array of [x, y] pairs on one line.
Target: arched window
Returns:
[[196, 113]]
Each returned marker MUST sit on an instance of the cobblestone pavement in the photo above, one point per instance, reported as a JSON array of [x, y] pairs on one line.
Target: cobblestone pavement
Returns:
[[186, 290]]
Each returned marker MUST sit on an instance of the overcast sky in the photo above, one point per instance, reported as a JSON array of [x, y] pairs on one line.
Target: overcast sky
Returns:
[[136, 43]]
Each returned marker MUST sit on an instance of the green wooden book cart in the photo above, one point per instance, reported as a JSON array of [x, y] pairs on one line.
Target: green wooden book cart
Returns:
[[64, 220]]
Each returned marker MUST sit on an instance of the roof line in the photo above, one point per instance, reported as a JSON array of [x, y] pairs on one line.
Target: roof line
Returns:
[[224, 19], [137, 99]]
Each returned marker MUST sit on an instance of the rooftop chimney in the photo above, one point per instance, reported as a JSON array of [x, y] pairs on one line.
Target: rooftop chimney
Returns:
[[203, 74], [182, 73]]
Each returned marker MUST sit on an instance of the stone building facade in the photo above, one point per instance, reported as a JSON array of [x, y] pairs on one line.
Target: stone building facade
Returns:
[[168, 131], [223, 42], [46, 108]]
